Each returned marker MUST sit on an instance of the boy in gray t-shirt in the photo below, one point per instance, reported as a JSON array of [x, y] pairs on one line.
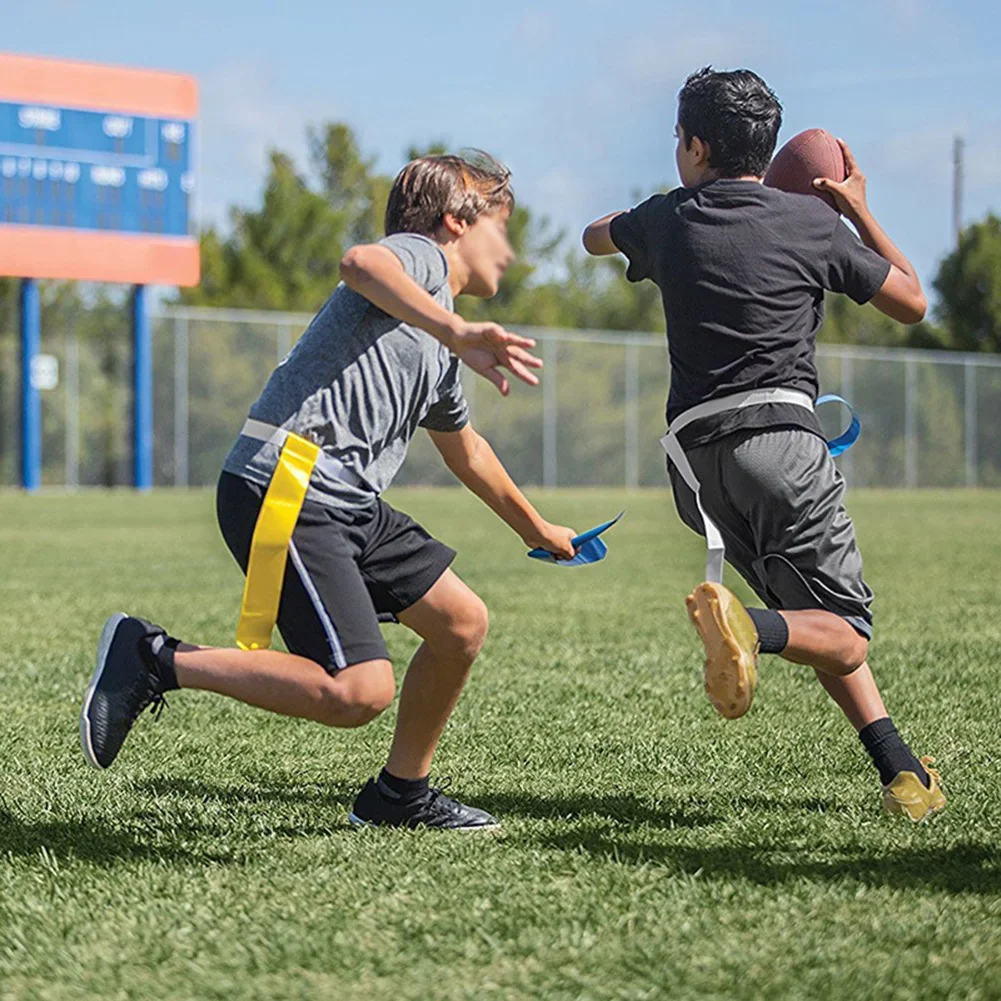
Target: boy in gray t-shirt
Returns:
[[380, 360]]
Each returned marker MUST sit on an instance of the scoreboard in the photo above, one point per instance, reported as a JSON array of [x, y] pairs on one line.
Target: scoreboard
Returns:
[[97, 173], [94, 170]]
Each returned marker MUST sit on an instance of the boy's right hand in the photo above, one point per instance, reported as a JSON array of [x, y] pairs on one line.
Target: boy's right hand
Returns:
[[488, 347], [849, 193], [555, 539]]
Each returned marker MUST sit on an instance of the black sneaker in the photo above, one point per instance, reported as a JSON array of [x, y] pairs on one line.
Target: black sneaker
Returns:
[[124, 683], [374, 807]]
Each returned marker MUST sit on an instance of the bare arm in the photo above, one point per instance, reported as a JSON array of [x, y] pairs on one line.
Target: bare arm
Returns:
[[597, 237], [901, 296], [377, 273], [476, 465]]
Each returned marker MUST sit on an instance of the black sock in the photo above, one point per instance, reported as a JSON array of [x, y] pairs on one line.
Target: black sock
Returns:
[[162, 650], [889, 753], [398, 790], [773, 630]]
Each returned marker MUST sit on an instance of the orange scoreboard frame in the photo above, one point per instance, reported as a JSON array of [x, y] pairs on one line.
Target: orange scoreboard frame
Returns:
[[96, 172]]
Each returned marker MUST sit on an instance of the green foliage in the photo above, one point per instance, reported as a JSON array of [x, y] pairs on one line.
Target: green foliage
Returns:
[[969, 288], [281, 256], [848, 323], [285, 255]]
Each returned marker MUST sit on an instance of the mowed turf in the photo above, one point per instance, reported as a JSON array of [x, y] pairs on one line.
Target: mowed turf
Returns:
[[650, 849]]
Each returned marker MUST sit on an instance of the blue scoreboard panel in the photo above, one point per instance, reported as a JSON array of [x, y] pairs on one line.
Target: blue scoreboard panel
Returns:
[[91, 170]]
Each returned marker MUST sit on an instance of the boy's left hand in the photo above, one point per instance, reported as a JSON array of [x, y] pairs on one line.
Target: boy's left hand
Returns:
[[555, 539]]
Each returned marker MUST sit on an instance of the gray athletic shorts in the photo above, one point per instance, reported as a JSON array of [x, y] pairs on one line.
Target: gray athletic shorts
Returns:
[[778, 501]]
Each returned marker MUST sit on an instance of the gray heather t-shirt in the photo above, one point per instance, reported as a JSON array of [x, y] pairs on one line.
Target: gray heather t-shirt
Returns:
[[360, 383]]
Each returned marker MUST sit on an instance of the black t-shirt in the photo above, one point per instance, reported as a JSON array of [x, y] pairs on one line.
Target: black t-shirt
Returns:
[[742, 271]]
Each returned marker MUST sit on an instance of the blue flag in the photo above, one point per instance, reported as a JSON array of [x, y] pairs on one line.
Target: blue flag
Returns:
[[590, 548]]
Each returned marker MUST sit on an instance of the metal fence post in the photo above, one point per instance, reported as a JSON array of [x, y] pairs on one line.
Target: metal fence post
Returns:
[[284, 341], [180, 402], [72, 400], [847, 390], [550, 469], [970, 422], [910, 422], [632, 416], [31, 405]]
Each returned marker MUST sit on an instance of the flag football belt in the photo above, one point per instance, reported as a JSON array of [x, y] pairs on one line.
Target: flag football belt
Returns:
[[737, 401], [276, 522]]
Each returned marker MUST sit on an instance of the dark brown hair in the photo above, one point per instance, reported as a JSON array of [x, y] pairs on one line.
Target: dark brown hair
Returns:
[[463, 186], [737, 114]]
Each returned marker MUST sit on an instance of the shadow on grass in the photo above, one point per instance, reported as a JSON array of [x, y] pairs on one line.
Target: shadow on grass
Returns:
[[962, 868], [251, 815], [621, 808], [325, 795], [93, 841]]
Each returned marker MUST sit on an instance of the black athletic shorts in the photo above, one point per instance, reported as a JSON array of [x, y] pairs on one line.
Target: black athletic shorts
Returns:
[[346, 572]]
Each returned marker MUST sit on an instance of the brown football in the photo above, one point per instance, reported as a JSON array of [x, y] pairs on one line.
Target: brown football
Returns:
[[814, 153]]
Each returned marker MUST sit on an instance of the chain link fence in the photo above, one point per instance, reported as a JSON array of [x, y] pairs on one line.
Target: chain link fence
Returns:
[[929, 418]]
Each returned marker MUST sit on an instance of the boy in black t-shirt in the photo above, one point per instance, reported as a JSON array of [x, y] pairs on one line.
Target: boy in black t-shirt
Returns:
[[743, 270]]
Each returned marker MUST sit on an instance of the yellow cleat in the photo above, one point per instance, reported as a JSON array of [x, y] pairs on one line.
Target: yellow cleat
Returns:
[[731, 643], [907, 794]]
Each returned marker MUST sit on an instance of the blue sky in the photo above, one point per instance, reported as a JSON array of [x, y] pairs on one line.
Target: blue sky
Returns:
[[578, 97]]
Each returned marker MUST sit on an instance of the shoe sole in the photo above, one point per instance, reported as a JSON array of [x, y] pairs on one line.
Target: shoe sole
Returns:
[[103, 646], [357, 823], [731, 645]]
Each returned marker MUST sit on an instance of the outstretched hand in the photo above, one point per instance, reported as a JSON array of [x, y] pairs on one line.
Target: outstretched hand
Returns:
[[488, 347]]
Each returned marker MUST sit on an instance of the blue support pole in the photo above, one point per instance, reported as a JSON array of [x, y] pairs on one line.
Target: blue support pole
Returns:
[[142, 392], [31, 408]]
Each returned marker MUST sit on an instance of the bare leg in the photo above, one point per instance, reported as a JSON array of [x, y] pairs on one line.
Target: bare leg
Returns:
[[453, 623], [856, 694], [824, 641], [287, 684]]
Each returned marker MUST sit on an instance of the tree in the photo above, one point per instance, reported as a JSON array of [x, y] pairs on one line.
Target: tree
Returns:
[[848, 323], [284, 255], [969, 288]]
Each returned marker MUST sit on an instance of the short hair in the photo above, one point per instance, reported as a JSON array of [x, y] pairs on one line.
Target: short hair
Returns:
[[464, 186], [737, 114]]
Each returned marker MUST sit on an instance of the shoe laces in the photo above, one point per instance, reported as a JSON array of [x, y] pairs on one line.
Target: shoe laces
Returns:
[[438, 792], [157, 704], [153, 699]]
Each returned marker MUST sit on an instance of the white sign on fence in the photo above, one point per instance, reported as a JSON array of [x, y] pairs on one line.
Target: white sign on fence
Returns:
[[44, 372]]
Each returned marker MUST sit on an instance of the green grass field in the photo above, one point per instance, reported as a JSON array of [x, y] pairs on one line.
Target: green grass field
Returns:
[[649, 849]]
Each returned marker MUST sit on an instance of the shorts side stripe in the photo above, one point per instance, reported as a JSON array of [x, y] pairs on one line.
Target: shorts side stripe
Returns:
[[314, 596]]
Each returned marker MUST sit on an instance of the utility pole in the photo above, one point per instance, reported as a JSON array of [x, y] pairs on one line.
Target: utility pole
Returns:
[[957, 188]]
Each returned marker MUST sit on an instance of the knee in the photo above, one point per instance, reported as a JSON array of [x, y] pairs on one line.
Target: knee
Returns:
[[468, 630], [854, 653], [351, 702]]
